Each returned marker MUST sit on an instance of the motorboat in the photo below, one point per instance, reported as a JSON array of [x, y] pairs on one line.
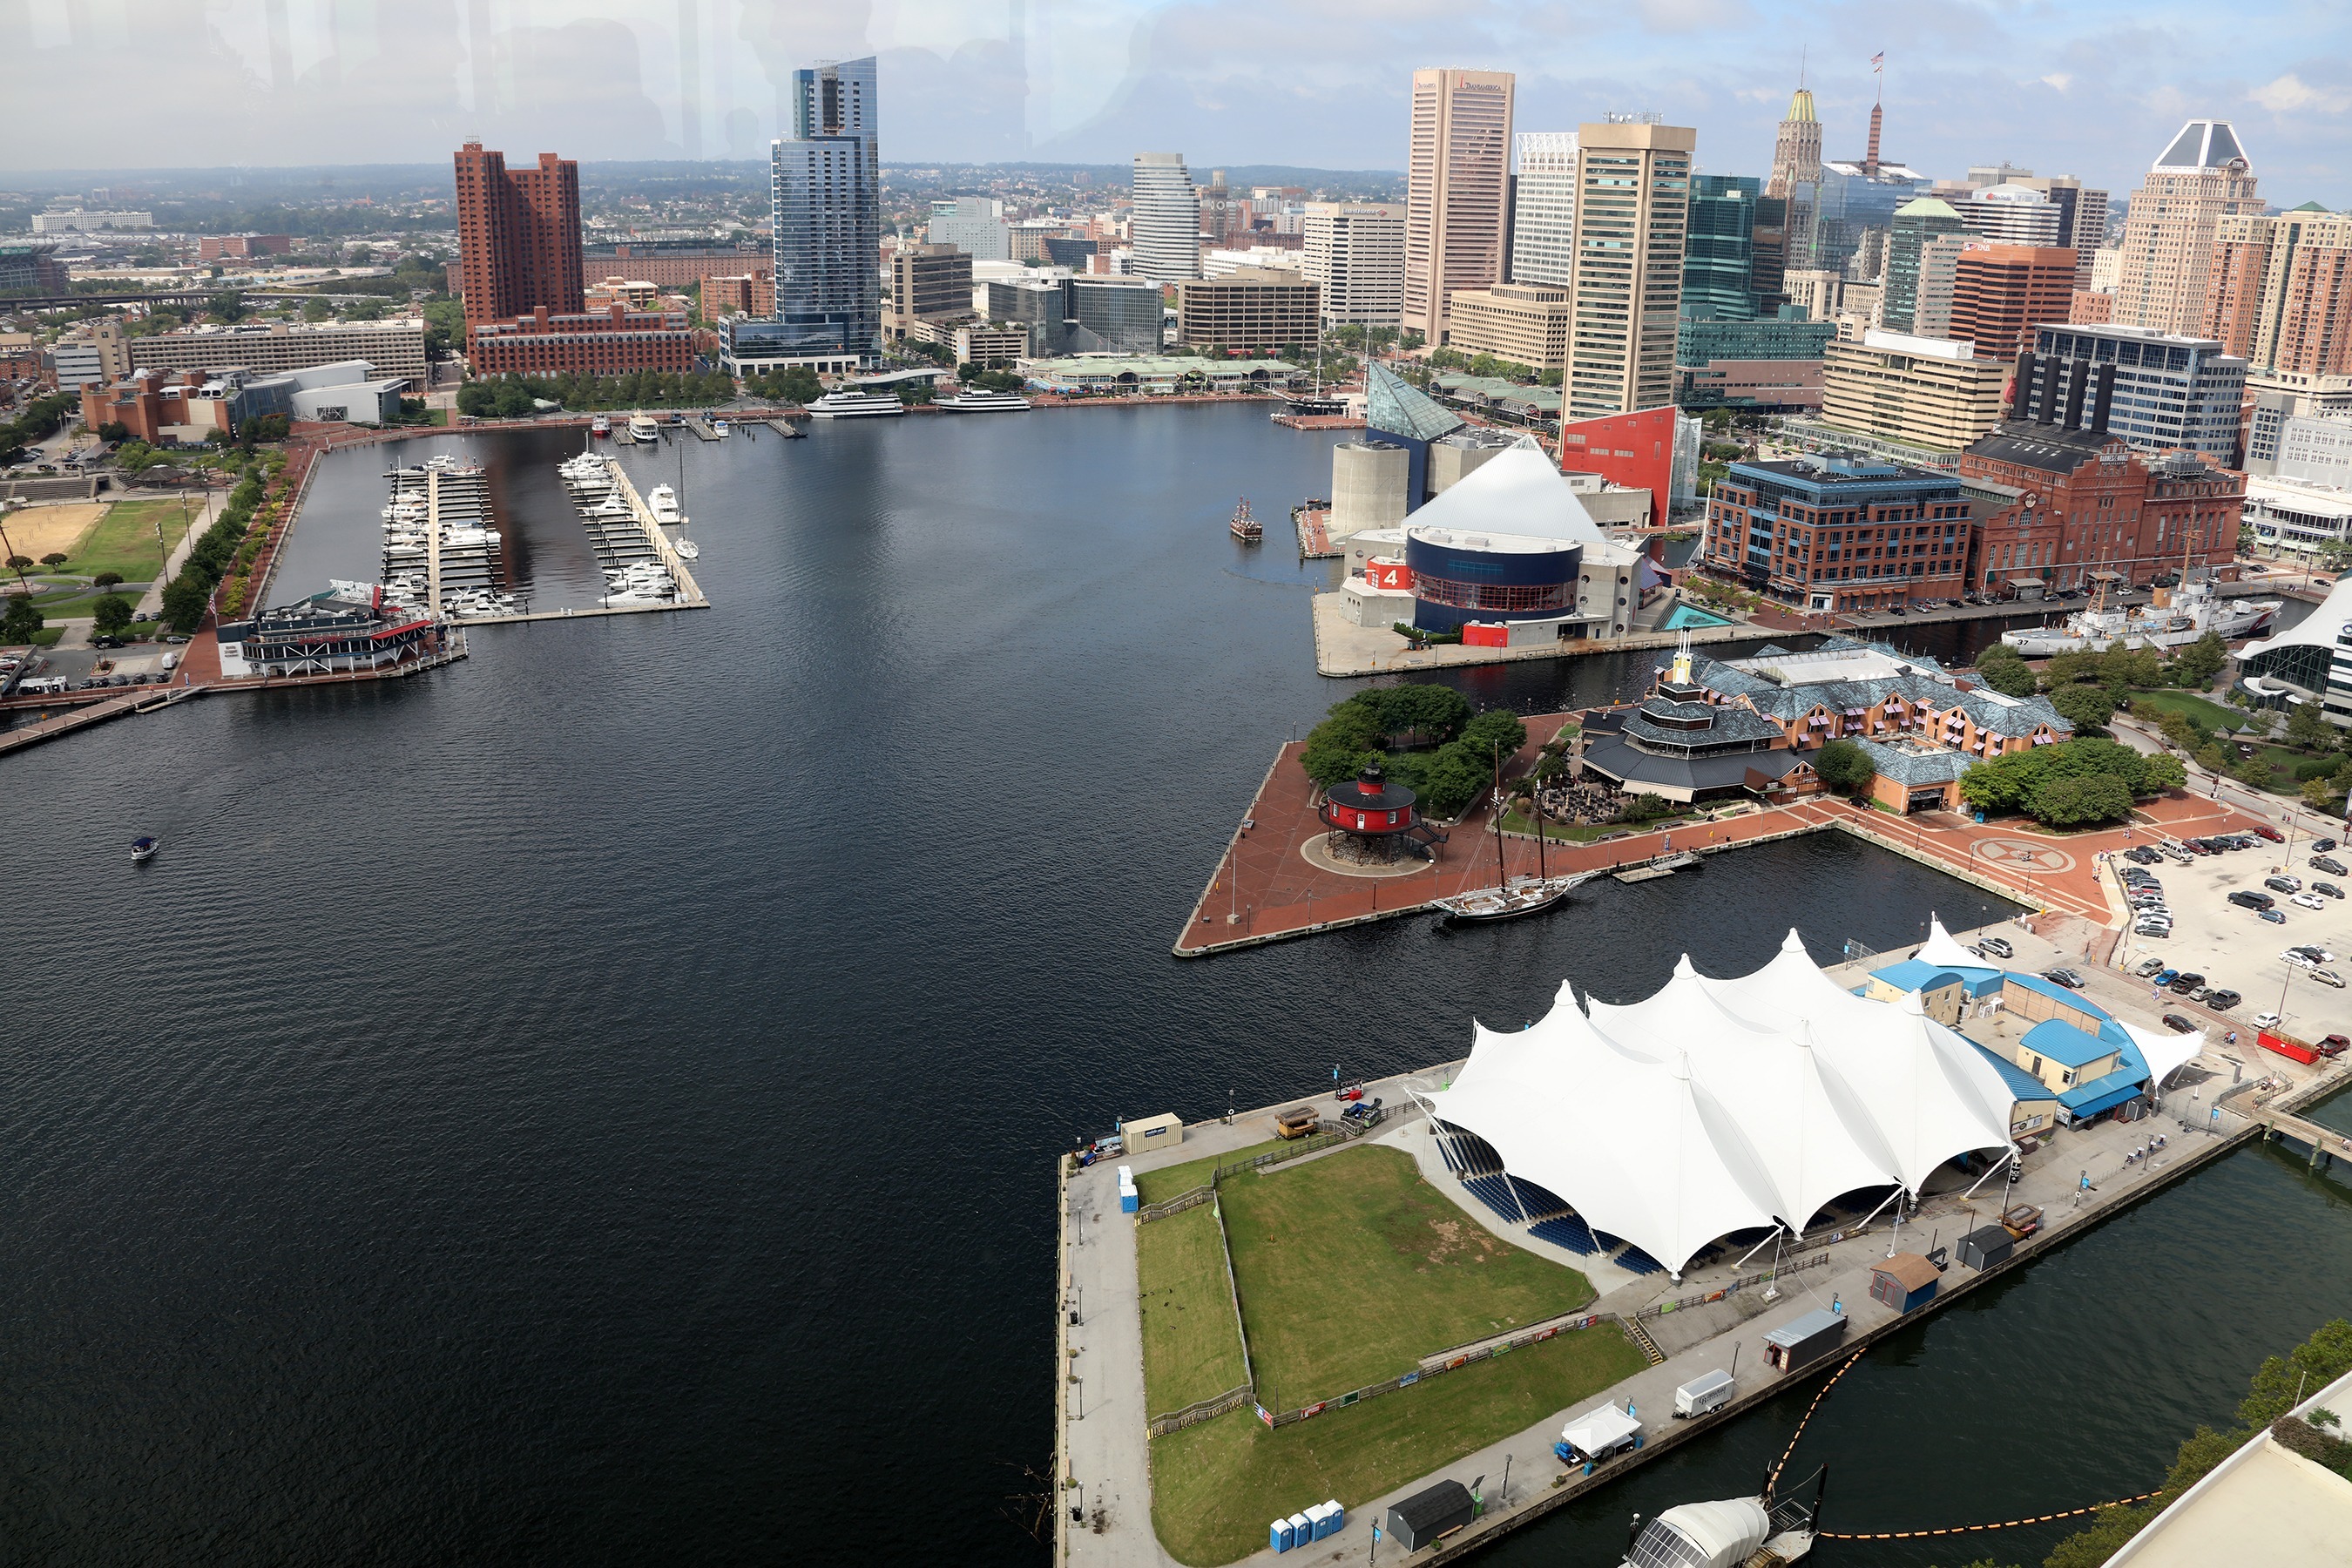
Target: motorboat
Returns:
[[978, 402], [719, 427], [847, 403], [663, 503], [600, 426], [142, 850]]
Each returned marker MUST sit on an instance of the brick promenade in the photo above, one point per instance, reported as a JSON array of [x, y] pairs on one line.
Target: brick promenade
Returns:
[[1265, 887]]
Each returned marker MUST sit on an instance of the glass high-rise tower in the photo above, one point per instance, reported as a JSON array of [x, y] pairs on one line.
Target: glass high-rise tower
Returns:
[[825, 197]]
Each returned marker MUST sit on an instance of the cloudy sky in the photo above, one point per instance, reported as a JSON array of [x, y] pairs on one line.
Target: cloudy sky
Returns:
[[2093, 88]]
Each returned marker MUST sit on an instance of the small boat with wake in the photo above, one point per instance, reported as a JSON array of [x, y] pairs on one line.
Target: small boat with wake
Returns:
[[142, 850]]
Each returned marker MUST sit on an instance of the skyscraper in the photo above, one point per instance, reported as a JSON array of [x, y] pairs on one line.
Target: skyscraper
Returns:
[[518, 236], [1355, 251], [825, 200], [2279, 293], [1797, 148], [1914, 225], [1720, 255], [2002, 293], [1543, 207], [1167, 229], [1632, 204], [2201, 178], [2013, 214], [1457, 191]]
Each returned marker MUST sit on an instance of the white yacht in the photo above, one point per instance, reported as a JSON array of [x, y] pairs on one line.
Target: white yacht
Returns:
[[978, 402], [642, 427], [848, 402], [688, 550], [663, 503], [2177, 617]]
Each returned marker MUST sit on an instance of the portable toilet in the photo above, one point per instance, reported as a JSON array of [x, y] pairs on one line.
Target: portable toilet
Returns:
[[1335, 1519], [1129, 1200], [1280, 1536], [1302, 1529]]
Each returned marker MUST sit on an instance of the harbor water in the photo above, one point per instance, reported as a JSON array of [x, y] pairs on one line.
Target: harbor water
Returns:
[[594, 1104]]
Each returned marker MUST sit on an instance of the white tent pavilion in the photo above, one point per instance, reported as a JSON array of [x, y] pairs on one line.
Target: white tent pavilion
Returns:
[[1717, 1106], [2165, 1052], [1942, 949]]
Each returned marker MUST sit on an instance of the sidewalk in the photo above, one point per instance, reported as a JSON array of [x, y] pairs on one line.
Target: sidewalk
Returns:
[[201, 518]]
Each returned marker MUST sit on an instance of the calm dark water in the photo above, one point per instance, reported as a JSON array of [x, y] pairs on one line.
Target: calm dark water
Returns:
[[592, 1104]]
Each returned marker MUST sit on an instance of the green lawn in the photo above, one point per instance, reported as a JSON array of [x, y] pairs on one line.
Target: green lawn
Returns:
[[1192, 1347], [1516, 821], [2196, 710], [1216, 1485], [1159, 1186], [125, 539], [1351, 1269]]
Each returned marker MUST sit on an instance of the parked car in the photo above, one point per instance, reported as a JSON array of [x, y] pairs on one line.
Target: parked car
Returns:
[[2322, 846], [2143, 855], [2308, 902], [2222, 1001], [2159, 930], [2332, 867], [2066, 977], [2284, 884], [2149, 966], [2266, 1020], [2312, 950], [2167, 975], [2185, 982], [1998, 947], [2302, 958], [2273, 916], [2265, 831], [2176, 1022], [2246, 899], [2328, 977], [2328, 889], [2333, 1045]]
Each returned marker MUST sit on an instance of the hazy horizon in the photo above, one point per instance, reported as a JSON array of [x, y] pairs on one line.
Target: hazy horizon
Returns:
[[2095, 90]]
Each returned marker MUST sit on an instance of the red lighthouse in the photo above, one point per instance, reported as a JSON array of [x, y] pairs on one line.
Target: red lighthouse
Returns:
[[1373, 815]]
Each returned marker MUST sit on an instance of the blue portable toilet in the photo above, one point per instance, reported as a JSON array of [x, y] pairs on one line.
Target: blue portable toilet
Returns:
[[1302, 1529], [1128, 1199], [1280, 1536], [1334, 1519]]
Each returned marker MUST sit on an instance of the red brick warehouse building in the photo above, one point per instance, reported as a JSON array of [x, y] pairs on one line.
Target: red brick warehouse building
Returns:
[[614, 342], [1840, 533]]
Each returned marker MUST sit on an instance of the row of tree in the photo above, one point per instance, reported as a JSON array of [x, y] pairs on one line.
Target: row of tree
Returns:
[[1425, 737], [189, 594], [515, 397], [2071, 784]]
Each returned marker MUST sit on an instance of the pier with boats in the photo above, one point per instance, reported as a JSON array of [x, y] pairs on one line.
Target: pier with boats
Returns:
[[641, 541]]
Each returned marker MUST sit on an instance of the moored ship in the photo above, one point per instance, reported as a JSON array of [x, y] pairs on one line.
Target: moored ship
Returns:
[[844, 402], [2179, 616], [1245, 528]]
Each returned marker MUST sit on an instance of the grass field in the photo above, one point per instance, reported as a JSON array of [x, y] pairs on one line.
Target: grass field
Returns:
[[1214, 1486], [125, 539], [1351, 1267], [2196, 710], [1159, 1186], [1516, 821], [1192, 1347]]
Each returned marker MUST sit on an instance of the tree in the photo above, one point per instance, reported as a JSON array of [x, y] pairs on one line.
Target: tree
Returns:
[[1844, 767], [106, 579], [2162, 772], [2210, 757], [2072, 802], [2063, 668], [2087, 708], [111, 614], [1497, 729], [2009, 676], [2320, 794], [475, 400], [20, 562], [55, 559], [185, 601], [1454, 777], [2305, 728], [19, 621], [1336, 748], [2201, 660]]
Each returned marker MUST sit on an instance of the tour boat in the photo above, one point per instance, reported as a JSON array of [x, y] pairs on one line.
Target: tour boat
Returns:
[[846, 403], [978, 402], [642, 427], [1246, 529], [144, 850], [600, 426]]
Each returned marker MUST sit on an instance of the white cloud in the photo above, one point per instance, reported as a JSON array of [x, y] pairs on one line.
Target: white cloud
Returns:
[[2290, 92], [2058, 79]]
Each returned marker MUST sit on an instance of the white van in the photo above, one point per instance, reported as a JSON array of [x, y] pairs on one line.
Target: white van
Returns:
[[1708, 1391], [170, 662]]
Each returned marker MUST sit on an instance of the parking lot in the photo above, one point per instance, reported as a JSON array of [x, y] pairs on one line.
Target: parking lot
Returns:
[[2236, 950]]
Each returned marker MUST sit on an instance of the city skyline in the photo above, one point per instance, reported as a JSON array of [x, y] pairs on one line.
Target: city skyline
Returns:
[[2094, 92]]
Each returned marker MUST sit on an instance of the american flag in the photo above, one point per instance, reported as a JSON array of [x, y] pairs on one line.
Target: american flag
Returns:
[[1877, 61]]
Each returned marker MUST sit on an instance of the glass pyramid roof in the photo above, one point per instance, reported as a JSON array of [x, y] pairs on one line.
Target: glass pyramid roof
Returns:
[[1394, 405]]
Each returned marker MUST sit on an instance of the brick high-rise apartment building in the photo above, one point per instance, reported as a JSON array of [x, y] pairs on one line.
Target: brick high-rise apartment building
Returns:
[[2001, 293], [2279, 291], [2168, 230], [518, 236], [1457, 191]]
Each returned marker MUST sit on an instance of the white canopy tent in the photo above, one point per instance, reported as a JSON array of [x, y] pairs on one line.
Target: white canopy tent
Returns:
[[1596, 1431], [1942, 949], [1717, 1106], [2163, 1052]]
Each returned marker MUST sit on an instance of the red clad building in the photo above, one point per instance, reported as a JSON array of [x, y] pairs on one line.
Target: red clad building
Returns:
[[2083, 506], [614, 342], [147, 401], [518, 236], [1636, 450], [2001, 292]]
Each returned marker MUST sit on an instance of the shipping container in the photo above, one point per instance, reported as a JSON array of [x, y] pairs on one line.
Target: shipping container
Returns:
[[2288, 1046]]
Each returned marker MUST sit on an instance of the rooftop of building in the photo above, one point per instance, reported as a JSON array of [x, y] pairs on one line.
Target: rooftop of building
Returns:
[[1912, 765], [2200, 145], [1849, 677], [1723, 726], [1823, 473], [2055, 448], [1396, 405]]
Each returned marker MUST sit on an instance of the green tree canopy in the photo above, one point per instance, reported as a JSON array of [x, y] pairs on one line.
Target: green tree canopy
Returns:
[[2087, 708], [1497, 729], [2201, 660], [111, 614], [1844, 767], [2016, 782], [19, 620], [2011, 677], [2073, 801], [2163, 771]]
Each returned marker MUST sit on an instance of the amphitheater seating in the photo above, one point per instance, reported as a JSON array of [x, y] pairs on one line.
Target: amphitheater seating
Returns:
[[1542, 1203], [1567, 1230], [1634, 1260], [1495, 1194]]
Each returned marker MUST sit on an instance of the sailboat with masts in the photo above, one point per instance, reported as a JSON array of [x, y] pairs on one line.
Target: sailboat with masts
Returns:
[[1512, 897]]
